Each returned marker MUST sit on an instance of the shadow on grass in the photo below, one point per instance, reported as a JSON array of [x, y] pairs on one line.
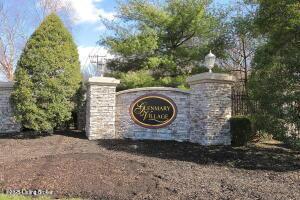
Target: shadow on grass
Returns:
[[34, 135], [251, 158]]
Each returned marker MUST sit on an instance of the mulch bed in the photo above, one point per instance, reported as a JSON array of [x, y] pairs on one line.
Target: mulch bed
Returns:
[[72, 166]]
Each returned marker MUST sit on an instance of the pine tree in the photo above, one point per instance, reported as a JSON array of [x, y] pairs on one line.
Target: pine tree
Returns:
[[47, 77], [163, 40]]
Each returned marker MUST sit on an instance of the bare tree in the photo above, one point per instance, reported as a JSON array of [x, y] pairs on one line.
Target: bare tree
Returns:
[[61, 7], [15, 26], [240, 55], [49, 6], [12, 40], [242, 42]]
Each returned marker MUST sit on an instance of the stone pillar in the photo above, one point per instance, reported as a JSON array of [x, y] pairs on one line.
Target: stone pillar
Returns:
[[7, 121], [210, 108], [101, 108]]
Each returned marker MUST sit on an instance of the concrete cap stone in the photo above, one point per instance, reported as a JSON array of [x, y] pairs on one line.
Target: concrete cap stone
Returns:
[[154, 89], [210, 78], [105, 81], [8, 84]]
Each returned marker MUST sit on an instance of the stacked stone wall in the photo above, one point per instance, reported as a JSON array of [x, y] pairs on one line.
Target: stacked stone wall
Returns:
[[210, 113], [210, 108], [178, 130], [8, 123], [203, 113], [101, 108]]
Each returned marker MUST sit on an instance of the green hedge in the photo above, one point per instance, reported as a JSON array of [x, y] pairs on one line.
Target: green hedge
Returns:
[[241, 130]]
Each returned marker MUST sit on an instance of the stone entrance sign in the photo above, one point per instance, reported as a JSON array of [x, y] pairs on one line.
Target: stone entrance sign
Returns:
[[200, 115], [153, 111]]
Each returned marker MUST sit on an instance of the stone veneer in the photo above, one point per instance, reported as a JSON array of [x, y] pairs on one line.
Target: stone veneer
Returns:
[[210, 108], [7, 121], [101, 108], [178, 130], [203, 112]]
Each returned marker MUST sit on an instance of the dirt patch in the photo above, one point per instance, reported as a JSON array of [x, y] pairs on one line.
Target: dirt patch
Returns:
[[70, 165]]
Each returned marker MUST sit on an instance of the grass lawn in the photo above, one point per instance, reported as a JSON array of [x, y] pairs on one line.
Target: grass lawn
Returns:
[[17, 197]]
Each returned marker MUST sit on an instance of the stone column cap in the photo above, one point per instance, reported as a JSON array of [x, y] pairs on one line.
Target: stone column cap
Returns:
[[105, 81], [210, 78], [8, 84]]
